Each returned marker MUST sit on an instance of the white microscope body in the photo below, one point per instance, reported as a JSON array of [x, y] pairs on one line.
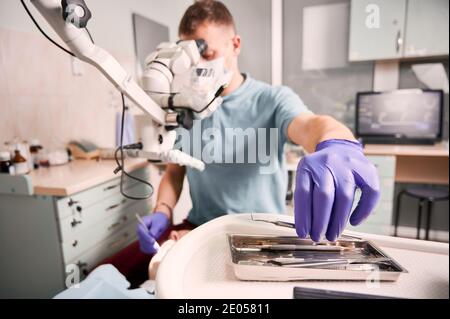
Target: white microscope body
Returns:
[[169, 97]]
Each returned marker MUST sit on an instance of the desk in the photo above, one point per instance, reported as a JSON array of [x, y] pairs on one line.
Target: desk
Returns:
[[416, 163]]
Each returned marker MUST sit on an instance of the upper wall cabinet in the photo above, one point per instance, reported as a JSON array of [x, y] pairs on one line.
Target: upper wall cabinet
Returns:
[[386, 29], [427, 28], [376, 29]]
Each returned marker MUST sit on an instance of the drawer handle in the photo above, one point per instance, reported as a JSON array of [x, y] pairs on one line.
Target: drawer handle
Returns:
[[74, 223], [115, 225], [75, 243], [72, 202], [112, 207], [110, 187], [83, 268], [116, 205], [119, 241], [398, 42]]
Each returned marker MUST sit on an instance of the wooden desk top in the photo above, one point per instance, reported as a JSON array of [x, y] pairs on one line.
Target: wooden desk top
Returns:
[[438, 150], [77, 176]]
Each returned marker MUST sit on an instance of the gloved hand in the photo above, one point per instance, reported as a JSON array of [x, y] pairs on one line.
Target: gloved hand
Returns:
[[157, 224], [325, 189]]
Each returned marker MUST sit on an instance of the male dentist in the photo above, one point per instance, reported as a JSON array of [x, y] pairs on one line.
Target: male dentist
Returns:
[[269, 117]]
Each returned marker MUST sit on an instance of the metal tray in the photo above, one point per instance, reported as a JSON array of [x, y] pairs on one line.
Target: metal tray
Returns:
[[272, 258]]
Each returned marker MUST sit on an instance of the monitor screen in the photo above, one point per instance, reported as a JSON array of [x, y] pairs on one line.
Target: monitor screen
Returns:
[[407, 114]]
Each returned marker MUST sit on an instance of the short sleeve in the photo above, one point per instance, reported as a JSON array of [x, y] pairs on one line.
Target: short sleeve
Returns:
[[289, 106]]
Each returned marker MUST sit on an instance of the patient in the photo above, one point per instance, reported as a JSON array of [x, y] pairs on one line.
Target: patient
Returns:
[[176, 235]]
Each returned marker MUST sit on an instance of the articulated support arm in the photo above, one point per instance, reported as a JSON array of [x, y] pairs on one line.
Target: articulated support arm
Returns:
[[169, 62]]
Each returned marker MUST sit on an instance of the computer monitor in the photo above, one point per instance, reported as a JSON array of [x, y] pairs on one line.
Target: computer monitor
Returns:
[[400, 117]]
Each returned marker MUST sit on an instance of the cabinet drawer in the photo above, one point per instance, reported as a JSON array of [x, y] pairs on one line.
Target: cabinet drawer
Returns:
[[94, 256], [81, 201], [83, 241], [387, 194], [81, 220], [382, 214], [108, 229], [384, 164]]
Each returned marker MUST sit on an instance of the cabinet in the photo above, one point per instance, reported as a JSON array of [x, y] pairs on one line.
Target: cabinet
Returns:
[[380, 221], [427, 28], [386, 29], [47, 240], [376, 29]]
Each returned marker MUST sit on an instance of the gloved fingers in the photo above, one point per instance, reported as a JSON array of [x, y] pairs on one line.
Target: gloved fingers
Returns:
[[323, 198], [366, 178], [303, 203], [156, 232], [343, 202], [144, 233], [148, 220], [367, 203], [146, 241]]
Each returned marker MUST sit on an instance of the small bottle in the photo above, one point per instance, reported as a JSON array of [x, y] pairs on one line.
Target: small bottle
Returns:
[[35, 148], [21, 166], [6, 166]]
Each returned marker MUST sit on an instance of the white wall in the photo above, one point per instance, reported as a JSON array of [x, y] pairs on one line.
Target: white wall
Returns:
[[39, 95], [111, 24]]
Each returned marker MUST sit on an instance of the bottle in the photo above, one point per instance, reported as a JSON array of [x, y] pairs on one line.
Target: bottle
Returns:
[[6, 166], [21, 166], [35, 148]]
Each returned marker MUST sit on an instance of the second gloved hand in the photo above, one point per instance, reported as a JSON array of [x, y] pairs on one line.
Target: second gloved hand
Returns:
[[157, 224], [325, 189]]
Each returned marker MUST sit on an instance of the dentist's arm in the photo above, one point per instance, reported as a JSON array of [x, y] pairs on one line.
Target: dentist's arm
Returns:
[[170, 189], [308, 130], [159, 221], [327, 179]]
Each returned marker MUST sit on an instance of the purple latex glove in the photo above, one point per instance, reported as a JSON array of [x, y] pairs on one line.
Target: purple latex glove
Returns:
[[325, 189], [157, 224]]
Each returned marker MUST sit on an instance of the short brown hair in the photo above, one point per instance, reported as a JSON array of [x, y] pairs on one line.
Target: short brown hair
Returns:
[[205, 11]]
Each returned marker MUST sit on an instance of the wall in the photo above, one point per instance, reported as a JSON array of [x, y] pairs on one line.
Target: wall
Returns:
[[39, 95], [111, 24], [329, 91], [253, 22]]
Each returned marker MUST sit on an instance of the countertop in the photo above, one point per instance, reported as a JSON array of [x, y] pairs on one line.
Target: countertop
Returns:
[[438, 150], [77, 176]]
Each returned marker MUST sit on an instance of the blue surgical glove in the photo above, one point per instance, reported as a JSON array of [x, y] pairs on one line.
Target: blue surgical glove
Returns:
[[157, 224], [325, 189]]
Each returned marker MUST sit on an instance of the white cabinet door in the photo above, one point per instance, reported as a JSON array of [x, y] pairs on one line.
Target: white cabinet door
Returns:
[[427, 28], [377, 29]]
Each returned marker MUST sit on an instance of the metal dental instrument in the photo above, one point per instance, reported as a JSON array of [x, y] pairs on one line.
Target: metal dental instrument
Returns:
[[292, 226], [330, 262], [277, 223], [290, 247]]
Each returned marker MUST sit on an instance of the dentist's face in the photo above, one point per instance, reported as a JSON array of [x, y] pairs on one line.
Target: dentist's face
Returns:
[[222, 43]]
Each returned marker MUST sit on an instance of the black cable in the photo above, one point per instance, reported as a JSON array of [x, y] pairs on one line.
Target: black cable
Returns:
[[216, 96], [42, 31], [90, 36], [121, 163]]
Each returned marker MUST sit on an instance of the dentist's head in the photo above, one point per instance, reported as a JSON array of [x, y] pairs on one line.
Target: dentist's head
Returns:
[[211, 21]]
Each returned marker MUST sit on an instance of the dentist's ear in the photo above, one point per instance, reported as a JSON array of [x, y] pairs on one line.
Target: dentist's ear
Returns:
[[237, 45]]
